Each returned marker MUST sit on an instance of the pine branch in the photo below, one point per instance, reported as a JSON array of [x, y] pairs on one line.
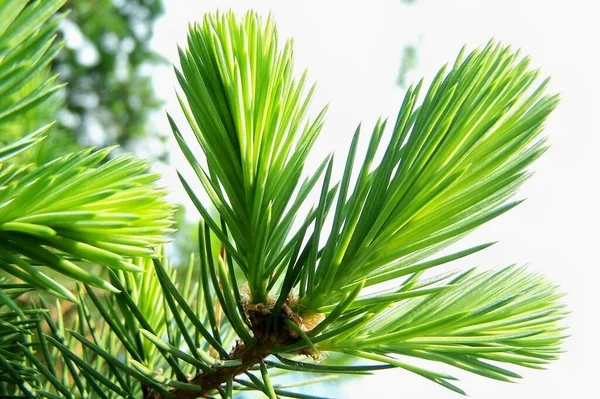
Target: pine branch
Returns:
[[80, 207], [247, 111], [274, 288]]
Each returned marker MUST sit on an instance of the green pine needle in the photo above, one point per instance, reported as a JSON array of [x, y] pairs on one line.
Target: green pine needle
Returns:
[[273, 291], [103, 212]]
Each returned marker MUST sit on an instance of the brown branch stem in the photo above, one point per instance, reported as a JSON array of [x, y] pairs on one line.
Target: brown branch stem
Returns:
[[267, 337]]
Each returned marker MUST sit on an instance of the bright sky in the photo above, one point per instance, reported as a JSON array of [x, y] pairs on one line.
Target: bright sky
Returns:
[[353, 48]]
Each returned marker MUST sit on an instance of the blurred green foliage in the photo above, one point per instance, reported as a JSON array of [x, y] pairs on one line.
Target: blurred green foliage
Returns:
[[107, 64], [408, 62], [408, 58]]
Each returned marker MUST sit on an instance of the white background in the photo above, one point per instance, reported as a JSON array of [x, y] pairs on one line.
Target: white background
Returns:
[[353, 48]]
